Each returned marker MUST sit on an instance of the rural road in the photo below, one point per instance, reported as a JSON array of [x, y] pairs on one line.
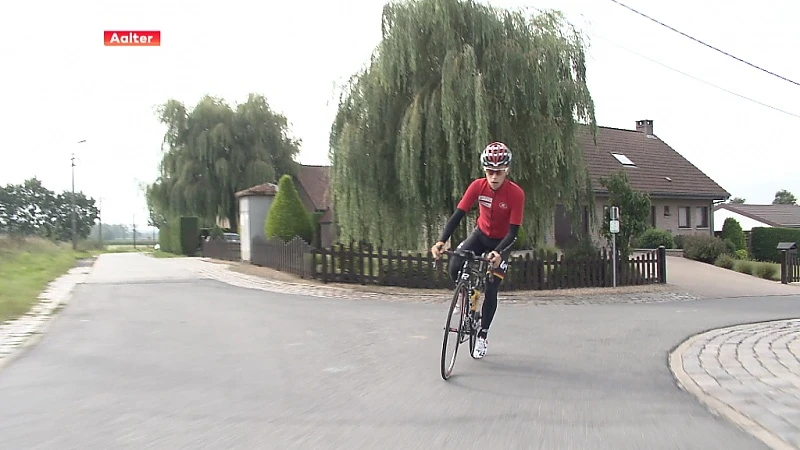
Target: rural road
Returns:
[[148, 355]]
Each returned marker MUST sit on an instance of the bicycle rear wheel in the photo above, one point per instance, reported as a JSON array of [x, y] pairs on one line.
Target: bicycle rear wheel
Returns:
[[454, 332]]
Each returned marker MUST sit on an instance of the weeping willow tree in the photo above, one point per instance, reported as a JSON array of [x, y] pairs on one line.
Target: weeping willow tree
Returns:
[[213, 151], [449, 77]]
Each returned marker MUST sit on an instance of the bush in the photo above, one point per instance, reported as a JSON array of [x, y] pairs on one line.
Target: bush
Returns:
[[725, 261], [732, 231], [730, 246], [766, 270], [679, 239], [764, 241], [583, 249], [741, 254], [654, 238], [703, 247], [745, 267], [287, 217]]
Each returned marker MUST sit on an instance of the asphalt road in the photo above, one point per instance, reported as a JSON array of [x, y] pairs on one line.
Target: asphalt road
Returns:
[[145, 356]]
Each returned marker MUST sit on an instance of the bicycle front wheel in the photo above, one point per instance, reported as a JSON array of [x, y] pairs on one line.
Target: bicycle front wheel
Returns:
[[454, 329]]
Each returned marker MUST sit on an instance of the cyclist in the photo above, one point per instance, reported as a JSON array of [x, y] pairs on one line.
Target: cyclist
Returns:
[[500, 205]]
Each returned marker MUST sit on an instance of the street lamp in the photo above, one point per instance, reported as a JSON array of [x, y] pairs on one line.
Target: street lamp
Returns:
[[74, 226]]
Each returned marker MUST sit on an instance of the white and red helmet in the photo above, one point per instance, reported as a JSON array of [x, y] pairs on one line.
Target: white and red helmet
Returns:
[[495, 154]]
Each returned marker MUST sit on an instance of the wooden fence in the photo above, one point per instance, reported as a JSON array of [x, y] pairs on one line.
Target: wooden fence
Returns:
[[365, 264], [790, 267]]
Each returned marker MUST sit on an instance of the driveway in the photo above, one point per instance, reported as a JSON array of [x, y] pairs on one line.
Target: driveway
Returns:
[[709, 281], [147, 355]]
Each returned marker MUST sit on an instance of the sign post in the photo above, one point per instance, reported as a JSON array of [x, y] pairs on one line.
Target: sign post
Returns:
[[614, 229]]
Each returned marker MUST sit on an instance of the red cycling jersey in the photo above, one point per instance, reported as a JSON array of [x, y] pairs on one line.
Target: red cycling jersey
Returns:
[[497, 209]]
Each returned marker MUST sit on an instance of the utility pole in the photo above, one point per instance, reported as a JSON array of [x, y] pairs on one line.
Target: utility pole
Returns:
[[74, 227]]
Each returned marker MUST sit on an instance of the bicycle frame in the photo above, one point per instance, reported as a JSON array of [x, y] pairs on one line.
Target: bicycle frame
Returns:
[[475, 271]]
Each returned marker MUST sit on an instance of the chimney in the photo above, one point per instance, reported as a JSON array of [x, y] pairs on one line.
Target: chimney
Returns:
[[645, 126]]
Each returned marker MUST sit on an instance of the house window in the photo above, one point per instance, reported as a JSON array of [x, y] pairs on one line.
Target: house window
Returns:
[[666, 211], [684, 217], [624, 160], [653, 216], [702, 217]]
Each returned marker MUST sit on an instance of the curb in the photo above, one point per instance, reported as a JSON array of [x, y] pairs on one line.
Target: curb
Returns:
[[56, 294], [717, 407]]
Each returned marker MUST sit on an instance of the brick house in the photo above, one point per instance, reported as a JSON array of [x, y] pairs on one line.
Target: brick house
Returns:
[[682, 195]]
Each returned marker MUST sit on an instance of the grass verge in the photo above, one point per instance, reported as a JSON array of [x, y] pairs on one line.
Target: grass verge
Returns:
[[27, 265]]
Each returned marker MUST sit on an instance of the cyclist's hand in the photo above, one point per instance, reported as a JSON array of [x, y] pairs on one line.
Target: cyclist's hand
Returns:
[[495, 258], [436, 250]]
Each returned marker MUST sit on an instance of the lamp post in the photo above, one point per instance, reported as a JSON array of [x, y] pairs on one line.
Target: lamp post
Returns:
[[74, 225]]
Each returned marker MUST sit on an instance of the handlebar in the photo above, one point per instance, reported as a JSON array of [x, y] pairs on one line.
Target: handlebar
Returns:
[[469, 254]]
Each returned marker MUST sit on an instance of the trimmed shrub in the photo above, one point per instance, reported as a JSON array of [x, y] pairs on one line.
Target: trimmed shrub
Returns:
[[287, 217], [764, 242], [741, 254], [179, 235], [654, 238], [733, 231], [725, 261], [189, 232], [745, 267], [703, 248], [766, 270]]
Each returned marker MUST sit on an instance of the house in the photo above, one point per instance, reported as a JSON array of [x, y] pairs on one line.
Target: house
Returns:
[[682, 196], [751, 216], [313, 187], [254, 203]]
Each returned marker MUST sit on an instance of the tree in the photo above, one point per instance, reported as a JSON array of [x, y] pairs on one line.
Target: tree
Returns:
[[738, 200], [784, 197], [33, 210], [287, 217], [212, 152], [732, 230], [449, 77], [634, 211]]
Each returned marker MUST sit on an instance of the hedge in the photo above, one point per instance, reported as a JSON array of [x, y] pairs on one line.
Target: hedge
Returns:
[[180, 235], [764, 242]]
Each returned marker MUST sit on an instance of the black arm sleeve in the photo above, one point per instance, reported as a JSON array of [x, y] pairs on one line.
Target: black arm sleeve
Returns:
[[504, 245], [452, 224]]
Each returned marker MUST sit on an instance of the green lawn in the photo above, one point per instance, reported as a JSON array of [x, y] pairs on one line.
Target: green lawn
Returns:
[[26, 267]]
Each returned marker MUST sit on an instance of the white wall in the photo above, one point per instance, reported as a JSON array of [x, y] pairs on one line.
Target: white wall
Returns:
[[252, 215], [747, 223]]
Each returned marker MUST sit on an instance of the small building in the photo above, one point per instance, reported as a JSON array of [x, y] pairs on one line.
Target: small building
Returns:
[[254, 203]]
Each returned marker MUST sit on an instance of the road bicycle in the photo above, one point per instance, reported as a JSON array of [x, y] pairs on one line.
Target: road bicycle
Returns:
[[473, 276]]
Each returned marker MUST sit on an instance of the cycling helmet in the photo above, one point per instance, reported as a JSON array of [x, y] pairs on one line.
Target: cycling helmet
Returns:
[[495, 154]]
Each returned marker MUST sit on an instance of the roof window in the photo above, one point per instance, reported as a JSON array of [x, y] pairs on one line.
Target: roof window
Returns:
[[623, 159]]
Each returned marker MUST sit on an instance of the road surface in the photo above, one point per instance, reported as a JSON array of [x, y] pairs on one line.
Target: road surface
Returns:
[[147, 355]]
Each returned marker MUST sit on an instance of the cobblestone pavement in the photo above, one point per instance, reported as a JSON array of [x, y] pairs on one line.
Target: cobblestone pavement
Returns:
[[221, 272], [750, 374]]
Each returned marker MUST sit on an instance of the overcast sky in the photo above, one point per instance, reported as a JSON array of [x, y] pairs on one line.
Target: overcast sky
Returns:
[[61, 85]]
